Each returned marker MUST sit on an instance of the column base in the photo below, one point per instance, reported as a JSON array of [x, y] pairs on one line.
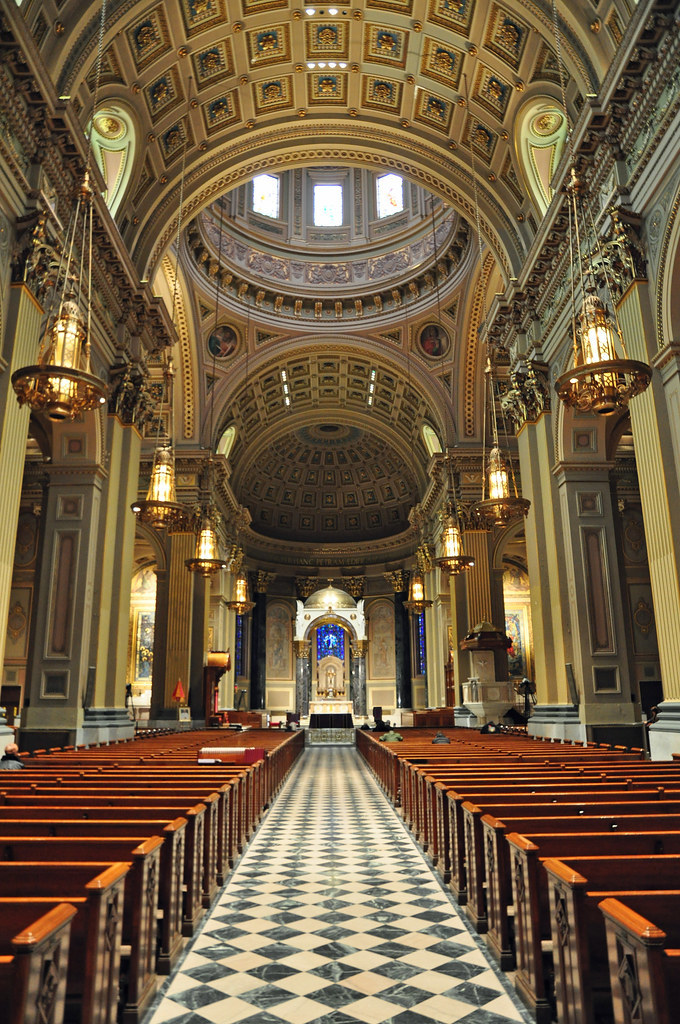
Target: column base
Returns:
[[168, 718], [99, 725], [464, 718], [664, 734], [6, 734], [558, 722]]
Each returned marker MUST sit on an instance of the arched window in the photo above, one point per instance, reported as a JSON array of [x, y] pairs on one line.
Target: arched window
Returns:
[[389, 193], [266, 192], [226, 442], [431, 439], [327, 206]]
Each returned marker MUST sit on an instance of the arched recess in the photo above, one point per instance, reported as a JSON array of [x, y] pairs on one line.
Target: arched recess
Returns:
[[668, 293], [510, 558], [149, 559], [237, 394], [114, 145], [540, 134], [175, 298], [298, 146]]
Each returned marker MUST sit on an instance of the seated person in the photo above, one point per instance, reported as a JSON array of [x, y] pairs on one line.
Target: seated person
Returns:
[[441, 738], [10, 760], [391, 737]]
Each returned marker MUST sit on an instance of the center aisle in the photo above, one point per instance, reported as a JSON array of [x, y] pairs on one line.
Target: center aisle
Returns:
[[333, 915]]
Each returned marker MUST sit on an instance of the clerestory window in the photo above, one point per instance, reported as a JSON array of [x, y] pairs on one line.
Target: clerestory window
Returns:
[[327, 206], [389, 194], [266, 195]]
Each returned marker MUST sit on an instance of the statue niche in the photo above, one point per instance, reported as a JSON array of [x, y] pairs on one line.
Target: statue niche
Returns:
[[330, 682]]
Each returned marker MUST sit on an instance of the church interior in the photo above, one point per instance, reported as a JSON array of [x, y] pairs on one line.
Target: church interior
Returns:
[[340, 418], [339, 368]]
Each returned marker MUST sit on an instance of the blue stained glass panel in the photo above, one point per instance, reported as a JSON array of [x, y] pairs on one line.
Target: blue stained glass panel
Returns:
[[330, 640], [420, 643], [238, 659]]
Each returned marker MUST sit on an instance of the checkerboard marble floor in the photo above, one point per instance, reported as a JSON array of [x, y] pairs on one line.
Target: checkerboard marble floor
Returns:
[[333, 916]]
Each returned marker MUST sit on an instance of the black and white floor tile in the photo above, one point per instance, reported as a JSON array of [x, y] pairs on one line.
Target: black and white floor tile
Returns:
[[333, 916]]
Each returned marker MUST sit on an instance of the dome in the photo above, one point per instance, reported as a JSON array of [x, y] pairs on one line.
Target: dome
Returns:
[[330, 597]]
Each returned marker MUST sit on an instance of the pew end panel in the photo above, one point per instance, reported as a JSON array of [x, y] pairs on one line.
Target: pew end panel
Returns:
[[33, 969], [643, 946]]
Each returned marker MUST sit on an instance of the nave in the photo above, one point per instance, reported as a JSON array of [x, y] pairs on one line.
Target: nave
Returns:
[[333, 916]]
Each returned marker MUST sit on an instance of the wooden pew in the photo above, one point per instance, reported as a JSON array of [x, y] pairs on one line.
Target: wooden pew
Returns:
[[31, 879], [576, 888], [436, 820], [202, 835], [643, 944], [33, 965], [529, 884], [526, 804], [143, 880], [505, 861], [93, 976]]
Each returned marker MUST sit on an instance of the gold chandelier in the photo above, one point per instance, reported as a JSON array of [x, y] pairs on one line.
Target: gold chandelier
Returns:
[[417, 603], [453, 558], [602, 379], [503, 504], [61, 384], [207, 559], [160, 509], [241, 603]]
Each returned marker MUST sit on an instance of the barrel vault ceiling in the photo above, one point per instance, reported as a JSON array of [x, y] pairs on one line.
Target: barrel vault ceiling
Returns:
[[433, 90]]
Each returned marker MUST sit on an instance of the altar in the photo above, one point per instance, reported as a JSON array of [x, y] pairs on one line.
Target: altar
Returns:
[[330, 721], [330, 707]]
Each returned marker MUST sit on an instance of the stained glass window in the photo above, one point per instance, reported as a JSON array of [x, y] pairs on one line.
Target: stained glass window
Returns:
[[327, 206], [420, 646], [266, 195], [330, 639], [238, 659], [390, 194]]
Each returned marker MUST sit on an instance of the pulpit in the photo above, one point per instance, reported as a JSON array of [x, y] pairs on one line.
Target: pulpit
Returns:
[[218, 663]]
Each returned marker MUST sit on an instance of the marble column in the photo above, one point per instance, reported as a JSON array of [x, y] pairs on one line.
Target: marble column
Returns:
[[303, 675], [358, 650], [23, 316], [402, 639], [597, 619], [654, 417], [61, 675], [546, 560], [483, 596], [258, 651], [173, 627], [113, 580]]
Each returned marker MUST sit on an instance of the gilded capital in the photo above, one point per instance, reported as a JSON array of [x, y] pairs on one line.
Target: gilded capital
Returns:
[[302, 648], [305, 586], [358, 648], [398, 580], [261, 580], [354, 585]]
